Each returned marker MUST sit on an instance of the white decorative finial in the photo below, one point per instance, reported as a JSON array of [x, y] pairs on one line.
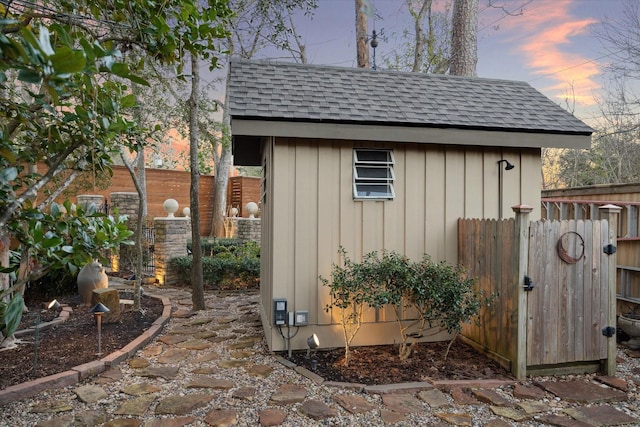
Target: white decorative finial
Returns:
[[252, 208], [170, 206], [233, 212], [186, 212]]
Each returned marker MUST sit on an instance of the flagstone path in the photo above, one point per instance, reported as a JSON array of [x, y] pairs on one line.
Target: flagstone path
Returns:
[[212, 368]]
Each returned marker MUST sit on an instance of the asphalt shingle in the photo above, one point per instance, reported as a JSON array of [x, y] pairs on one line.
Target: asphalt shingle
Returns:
[[285, 91]]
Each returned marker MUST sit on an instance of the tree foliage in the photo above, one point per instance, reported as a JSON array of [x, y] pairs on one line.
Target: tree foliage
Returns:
[[66, 75]]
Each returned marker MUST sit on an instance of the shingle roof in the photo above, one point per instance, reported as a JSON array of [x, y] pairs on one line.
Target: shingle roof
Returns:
[[267, 90]]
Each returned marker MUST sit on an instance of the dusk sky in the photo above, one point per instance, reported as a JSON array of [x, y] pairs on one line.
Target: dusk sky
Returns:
[[548, 43]]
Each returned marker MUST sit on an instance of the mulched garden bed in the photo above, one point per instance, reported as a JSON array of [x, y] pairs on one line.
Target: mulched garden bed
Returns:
[[73, 342], [373, 365]]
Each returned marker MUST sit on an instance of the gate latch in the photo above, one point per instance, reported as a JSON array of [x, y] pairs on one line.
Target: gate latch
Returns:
[[528, 283], [608, 331], [609, 249]]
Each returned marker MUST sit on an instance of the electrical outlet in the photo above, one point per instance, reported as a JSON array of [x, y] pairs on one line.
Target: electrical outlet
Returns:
[[302, 318], [279, 311]]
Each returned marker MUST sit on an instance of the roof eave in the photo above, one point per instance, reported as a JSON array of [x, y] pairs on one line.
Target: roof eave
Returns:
[[403, 133]]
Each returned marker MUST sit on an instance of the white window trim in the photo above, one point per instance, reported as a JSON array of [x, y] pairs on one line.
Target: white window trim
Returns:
[[386, 182]]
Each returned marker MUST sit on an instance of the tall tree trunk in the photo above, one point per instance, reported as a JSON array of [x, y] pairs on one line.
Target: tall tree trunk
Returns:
[[137, 287], [418, 57], [464, 39], [221, 173], [362, 48], [141, 174], [197, 281]]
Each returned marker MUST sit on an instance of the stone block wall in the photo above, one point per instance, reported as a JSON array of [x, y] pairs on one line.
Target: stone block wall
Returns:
[[248, 229], [126, 203], [85, 200], [170, 242]]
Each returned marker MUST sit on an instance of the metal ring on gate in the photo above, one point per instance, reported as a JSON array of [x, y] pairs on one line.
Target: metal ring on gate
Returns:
[[562, 252]]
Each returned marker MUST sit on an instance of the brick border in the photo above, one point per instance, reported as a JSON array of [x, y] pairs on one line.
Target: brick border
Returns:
[[81, 372]]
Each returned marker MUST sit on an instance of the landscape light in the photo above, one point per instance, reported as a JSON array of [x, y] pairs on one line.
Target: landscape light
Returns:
[[313, 342], [53, 305], [98, 310]]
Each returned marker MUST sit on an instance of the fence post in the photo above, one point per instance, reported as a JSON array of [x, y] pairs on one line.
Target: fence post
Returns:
[[519, 365], [611, 214]]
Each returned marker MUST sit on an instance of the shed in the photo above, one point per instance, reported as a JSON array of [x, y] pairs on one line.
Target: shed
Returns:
[[379, 160]]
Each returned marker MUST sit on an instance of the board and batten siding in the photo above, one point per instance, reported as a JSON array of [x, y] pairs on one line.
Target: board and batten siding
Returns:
[[309, 212]]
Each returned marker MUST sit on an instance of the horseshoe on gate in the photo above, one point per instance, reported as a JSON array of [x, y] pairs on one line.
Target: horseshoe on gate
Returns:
[[562, 252]]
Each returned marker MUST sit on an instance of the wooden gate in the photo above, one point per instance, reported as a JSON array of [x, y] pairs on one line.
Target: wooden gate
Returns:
[[569, 305], [556, 291]]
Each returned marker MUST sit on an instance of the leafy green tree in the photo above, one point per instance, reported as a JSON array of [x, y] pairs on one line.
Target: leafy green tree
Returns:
[[65, 76]]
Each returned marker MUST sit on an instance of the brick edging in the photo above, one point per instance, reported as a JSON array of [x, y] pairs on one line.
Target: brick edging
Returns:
[[89, 369]]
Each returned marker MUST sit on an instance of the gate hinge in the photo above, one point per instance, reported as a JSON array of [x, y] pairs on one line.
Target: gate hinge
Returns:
[[608, 331], [609, 249]]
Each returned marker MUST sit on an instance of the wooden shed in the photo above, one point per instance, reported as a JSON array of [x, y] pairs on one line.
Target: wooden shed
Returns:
[[379, 160]]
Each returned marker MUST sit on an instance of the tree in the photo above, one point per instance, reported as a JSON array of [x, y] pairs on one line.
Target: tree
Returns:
[[362, 34], [255, 25], [614, 156], [464, 38], [197, 282], [426, 49], [65, 76]]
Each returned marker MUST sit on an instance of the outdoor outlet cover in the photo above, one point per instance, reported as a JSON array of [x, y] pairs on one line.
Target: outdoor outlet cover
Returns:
[[302, 318]]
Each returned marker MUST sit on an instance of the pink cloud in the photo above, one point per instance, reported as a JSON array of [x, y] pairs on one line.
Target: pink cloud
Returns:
[[545, 37]]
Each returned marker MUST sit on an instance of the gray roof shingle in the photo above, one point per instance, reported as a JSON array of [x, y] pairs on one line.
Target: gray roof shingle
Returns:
[[291, 92]]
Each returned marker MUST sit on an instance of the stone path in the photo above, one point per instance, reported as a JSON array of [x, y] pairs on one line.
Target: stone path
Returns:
[[213, 369]]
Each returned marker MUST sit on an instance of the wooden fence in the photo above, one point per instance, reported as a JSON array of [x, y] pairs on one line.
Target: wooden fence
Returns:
[[554, 283]]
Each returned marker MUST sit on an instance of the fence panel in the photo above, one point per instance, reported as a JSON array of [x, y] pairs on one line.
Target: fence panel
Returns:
[[486, 248]]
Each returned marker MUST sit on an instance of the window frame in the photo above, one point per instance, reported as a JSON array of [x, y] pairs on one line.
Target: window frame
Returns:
[[363, 163]]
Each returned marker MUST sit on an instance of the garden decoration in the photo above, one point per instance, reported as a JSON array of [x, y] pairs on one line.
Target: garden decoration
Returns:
[[630, 324], [92, 276], [563, 253]]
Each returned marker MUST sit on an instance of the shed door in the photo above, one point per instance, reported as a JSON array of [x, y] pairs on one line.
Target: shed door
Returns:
[[569, 304]]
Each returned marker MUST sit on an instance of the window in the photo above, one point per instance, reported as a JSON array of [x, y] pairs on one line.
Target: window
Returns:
[[373, 174]]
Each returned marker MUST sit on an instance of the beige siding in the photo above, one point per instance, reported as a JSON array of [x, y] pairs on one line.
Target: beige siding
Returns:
[[267, 244], [310, 212]]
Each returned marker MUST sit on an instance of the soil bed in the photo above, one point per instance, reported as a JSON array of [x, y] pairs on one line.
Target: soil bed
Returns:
[[376, 365], [73, 342]]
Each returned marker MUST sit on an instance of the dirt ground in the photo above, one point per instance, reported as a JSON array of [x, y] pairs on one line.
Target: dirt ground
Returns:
[[73, 342], [381, 364]]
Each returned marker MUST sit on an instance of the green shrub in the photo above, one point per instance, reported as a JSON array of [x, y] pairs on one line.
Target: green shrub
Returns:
[[234, 265], [212, 246], [441, 295]]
